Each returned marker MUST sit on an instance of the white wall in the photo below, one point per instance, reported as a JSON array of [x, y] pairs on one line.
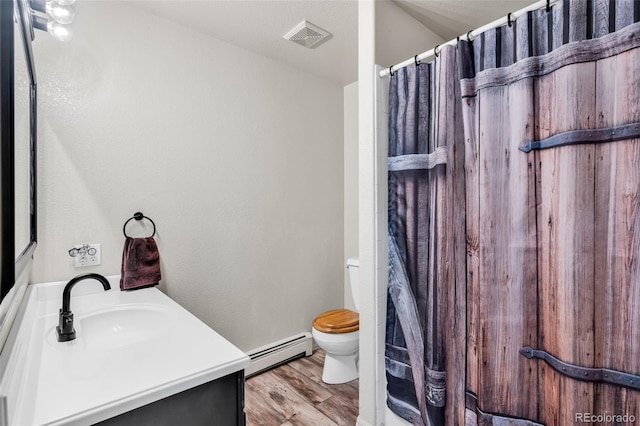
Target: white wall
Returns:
[[350, 183], [368, 395], [400, 36], [235, 157]]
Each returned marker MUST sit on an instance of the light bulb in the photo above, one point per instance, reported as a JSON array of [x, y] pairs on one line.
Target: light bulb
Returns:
[[58, 31], [60, 12]]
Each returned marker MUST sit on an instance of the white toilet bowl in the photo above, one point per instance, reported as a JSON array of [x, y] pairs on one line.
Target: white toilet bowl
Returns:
[[337, 332], [341, 359]]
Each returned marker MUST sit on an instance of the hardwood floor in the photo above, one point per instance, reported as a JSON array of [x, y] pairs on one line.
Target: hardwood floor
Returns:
[[293, 394]]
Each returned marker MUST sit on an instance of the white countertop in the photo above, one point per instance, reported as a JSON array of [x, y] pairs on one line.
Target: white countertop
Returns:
[[91, 379]]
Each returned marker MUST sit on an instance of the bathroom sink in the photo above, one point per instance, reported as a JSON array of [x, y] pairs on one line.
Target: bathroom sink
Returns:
[[122, 326], [119, 326], [131, 349]]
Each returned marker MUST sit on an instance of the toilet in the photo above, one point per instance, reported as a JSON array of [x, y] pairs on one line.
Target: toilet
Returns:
[[337, 332]]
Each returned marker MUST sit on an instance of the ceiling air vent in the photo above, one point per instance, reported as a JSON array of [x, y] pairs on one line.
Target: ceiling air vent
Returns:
[[307, 34]]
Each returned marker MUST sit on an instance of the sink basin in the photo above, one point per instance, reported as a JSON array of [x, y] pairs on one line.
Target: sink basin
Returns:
[[119, 326], [122, 326]]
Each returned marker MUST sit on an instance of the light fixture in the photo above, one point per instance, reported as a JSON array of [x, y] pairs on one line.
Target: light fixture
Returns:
[[53, 16], [60, 13], [57, 30]]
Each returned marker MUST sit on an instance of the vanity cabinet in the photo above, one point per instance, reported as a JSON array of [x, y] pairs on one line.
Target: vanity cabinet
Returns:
[[216, 403], [139, 359]]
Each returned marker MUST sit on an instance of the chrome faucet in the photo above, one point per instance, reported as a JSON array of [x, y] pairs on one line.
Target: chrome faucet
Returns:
[[65, 328]]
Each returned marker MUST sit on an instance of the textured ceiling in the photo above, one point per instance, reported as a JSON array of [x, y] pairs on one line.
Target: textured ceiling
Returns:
[[451, 18], [258, 25]]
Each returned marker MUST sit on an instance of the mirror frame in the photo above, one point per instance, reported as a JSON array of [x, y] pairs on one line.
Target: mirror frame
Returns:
[[11, 267]]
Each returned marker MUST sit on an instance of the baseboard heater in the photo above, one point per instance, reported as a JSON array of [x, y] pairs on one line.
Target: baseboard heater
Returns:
[[279, 352]]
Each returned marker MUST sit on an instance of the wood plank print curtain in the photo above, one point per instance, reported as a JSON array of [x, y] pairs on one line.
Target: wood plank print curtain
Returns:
[[425, 174], [505, 255], [554, 233]]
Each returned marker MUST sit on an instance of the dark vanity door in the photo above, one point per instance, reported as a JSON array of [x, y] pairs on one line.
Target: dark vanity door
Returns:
[[219, 403]]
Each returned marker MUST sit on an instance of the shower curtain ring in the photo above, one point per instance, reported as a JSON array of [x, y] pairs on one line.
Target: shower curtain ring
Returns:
[[391, 70], [509, 21], [417, 61], [435, 51], [469, 36], [548, 5]]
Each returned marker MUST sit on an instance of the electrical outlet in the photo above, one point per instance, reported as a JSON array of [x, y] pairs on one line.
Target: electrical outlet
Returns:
[[89, 257]]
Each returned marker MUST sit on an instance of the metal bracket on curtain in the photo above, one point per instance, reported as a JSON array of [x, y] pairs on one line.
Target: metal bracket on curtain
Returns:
[[418, 161], [584, 373], [471, 404], [573, 137], [435, 387]]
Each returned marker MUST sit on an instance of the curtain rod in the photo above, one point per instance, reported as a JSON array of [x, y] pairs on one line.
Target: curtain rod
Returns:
[[470, 35]]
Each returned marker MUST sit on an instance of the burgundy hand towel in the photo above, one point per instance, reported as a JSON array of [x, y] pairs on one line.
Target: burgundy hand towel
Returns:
[[140, 263]]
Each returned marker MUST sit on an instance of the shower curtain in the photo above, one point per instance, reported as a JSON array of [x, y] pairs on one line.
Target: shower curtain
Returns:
[[426, 203], [514, 222]]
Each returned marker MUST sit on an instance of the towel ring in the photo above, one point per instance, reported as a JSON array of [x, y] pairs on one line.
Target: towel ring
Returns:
[[138, 216]]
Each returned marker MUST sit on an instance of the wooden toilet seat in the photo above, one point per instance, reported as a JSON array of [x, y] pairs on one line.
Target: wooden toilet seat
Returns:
[[337, 321]]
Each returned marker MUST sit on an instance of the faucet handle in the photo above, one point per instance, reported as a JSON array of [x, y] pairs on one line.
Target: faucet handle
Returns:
[[65, 328]]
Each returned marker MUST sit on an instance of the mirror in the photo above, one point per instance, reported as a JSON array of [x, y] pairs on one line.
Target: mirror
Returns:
[[18, 97]]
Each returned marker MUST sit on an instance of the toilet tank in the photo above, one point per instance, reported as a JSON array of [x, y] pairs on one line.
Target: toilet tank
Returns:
[[354, 280]]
